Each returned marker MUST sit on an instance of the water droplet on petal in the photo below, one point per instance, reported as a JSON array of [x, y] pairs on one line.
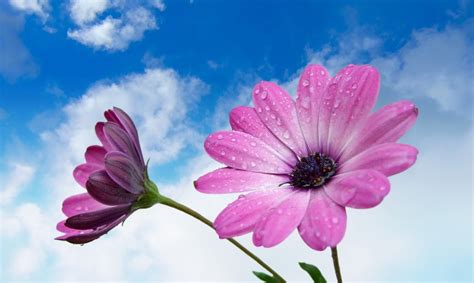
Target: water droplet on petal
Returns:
[[305, 83], [335, 220], [219, 137], [286, 135], [264, 95], [267, 108], [354, 85], [253, 143], [253, 164]]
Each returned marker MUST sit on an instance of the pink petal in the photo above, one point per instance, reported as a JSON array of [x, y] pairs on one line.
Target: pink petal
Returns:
[[81, 173], [240, 216], [227, 180], [246, 120], [278, 223], [81, 203], [277, 111], [311, 89], [243, 151], [95, 154], [324, 223], [350, 97], [386, 125], [358, 189], [388, 158]]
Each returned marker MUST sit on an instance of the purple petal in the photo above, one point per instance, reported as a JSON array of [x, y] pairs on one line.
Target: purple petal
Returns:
[[388, 158], [102, 188], [127, 124], [120, 141], [246, 120], [99, 131], [240, 216], [123, 171], [81, 173], [386, 125], [243, 151], [84, 236], [228, 180], [95, 154], [277, 111], [311, 88], [324, 223], [278, 223], [80, 203], [96, 219], [358, 189]]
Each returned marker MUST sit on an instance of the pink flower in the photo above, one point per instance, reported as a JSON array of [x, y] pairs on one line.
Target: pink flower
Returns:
[[303, 163], [115, 178]]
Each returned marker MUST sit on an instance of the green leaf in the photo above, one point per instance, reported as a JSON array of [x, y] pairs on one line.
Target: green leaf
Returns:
[[313, 272], [265, 277]]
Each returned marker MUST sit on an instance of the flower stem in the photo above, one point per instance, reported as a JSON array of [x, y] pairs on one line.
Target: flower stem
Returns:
[[337, 268], [171, 203]]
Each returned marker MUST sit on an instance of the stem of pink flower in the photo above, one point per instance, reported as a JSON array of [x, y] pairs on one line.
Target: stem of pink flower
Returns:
[[171, 203], [337, 268]]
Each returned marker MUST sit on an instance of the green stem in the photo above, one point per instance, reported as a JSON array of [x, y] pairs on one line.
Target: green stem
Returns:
[[171, 203], [337, 268]]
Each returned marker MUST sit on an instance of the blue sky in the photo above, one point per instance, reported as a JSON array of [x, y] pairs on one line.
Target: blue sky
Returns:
[[178, 67]]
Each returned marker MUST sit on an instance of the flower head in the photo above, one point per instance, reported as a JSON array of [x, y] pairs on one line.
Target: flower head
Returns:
[[115, 178], [304, 162]]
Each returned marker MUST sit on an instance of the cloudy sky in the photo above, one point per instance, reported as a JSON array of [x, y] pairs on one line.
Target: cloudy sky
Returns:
[[178, 67]]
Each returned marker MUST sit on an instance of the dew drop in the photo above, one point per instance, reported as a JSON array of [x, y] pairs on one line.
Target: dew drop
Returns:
[[267, 108], [264, 95], [259, 109], [354, 85], [335, 220], [322, 73], [242, 197], [305, 83], [222, 153], [78, 208], [286, 135], [279, 211], [233, 158], [253, 143], [253, 164]]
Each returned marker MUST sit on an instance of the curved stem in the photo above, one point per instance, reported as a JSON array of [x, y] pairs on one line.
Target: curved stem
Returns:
[[337, 268], [171, 203]]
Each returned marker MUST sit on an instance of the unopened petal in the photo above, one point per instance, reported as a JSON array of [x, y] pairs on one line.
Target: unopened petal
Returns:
[[96, 219], [102, 188], [123, 171]]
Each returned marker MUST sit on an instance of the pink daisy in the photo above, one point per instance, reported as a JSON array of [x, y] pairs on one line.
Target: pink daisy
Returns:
[[303, 163]]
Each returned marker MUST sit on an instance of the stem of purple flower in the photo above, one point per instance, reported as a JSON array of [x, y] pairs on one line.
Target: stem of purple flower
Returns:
[[171, 203], [337, 268]]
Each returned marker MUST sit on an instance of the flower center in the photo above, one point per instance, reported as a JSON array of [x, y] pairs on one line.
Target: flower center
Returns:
[[312, 171]]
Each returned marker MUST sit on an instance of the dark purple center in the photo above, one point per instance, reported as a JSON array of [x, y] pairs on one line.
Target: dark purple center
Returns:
[[312, 171]]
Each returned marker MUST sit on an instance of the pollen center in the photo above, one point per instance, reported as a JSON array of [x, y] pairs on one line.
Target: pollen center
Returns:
[[312, 171]]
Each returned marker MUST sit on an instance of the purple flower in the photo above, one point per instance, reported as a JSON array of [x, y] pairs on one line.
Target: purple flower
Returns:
[[115, 178], [305, 162]]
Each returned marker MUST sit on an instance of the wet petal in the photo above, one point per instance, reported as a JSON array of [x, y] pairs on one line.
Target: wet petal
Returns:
[[240, 216], [81, 173], [324, 223], [80, 203], [96, 219], [386, 125], [120, 141], [388, 158], [277, 111], [311, 89], [95, 154], [228, 180], [243, 151], [123, 171], [278, 223], [349, 98], [358, 189], [246, 120]]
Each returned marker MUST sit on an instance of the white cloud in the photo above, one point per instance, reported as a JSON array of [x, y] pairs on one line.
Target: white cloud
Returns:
[[112, 32], [434, 63], [86, 11], [36, 7], [14, 181]]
